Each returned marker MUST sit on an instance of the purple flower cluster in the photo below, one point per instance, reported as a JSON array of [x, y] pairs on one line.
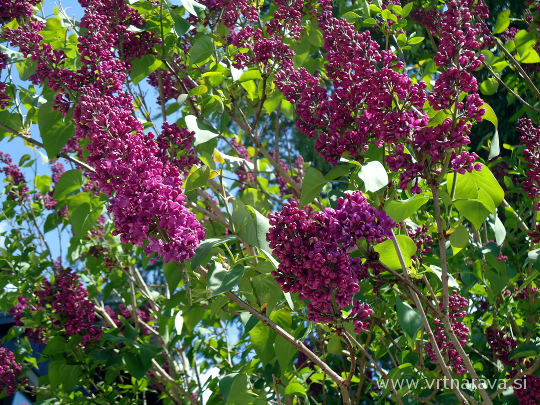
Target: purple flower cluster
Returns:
[[264, 44], [313, 250], [528, 392], [530, 138], [66, 302], [372, 100], [25, 309], [4, 97], [365, 82], [245, 177], [15, 177], [501, 346], [10, 371], [142, 175], [10, 9], [71, 308], [423, 241], [126, 313], [297, 175], [457, 305]]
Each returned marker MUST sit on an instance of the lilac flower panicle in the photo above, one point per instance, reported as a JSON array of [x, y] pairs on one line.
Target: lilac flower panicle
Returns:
[[313, 251]]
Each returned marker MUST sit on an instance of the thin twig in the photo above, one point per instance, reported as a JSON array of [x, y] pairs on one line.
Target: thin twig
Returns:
[[501, 81], [35, 142], [522, 72], [523, 373], [383, 373]]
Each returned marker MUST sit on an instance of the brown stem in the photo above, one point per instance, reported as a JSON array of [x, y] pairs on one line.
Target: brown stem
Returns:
[[300, 346], [444, 278], [523, 373], [440, 359], [35, 142], [374, 363], [501, 81], [522, 72]]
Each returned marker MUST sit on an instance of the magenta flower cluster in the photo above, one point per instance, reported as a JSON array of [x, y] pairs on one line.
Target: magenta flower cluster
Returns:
[[14, 176], [528, 389], [313, 250], [4, 97], [10, 9], [297, 174], [127, 314], [456, 305], [141, 175], [501, 345], [67, 305], [245, 177], [10, 371], [530, 138], [371, 100]]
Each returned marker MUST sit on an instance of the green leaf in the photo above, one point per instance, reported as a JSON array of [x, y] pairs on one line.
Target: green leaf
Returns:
[[295, 388], [193, 7], [201, 50], [529, 56], [262, 339], [474, 210], [233, 387], [400, 210], [143, 67], [198, 91], [407, 8], [285, 353], [63, 374], [173, 275], [221, 280], [202, 254], [248, 75], [178, 322], [525, 350], [181, 26], [52, 221], [499, 230], [489, 86], [268, 291], [494, 147], [374, 176], [26, 68], [408, 318], [415, 40], [12, 56], [388, 255], [251, 225], [134, 365], [312, 185], [524, 40], [334, 345], [490, 115], [197, 178], [502, 22], [70, 181], [43, 183], [459, 238], [351, 17], [203, 133], [55, 129], [83, 211], [470, 185]]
